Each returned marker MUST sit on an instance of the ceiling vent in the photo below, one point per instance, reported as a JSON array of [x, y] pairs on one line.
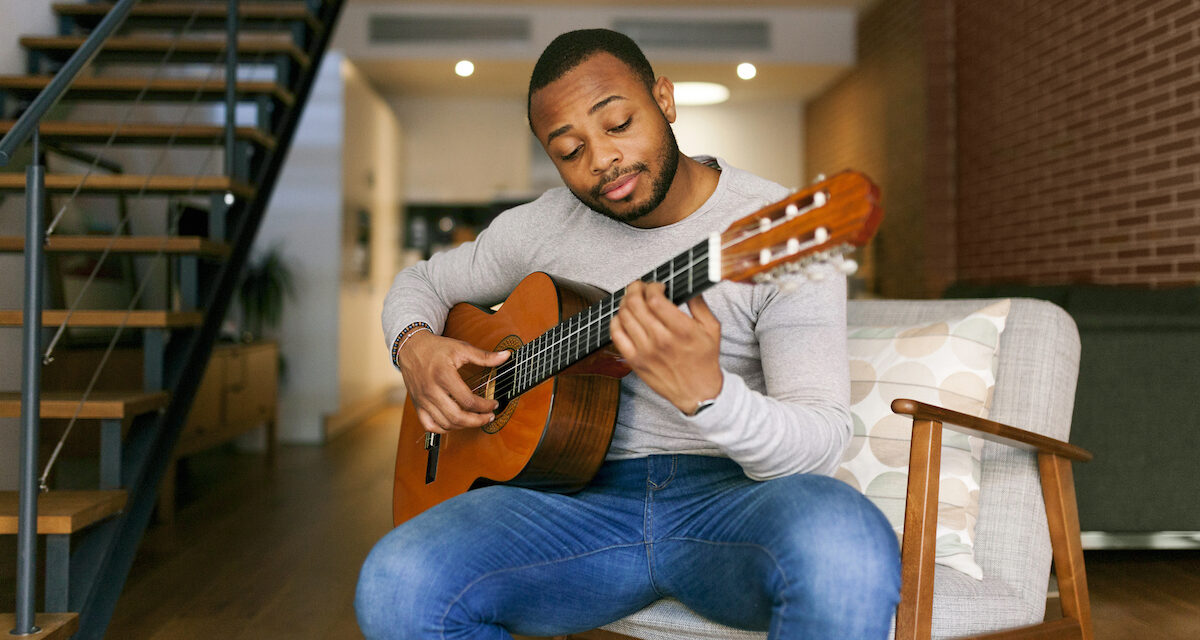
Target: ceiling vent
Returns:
[[409, 29], [692, 34]]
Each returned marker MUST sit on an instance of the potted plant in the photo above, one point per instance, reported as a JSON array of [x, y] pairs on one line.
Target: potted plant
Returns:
[[266, 284]]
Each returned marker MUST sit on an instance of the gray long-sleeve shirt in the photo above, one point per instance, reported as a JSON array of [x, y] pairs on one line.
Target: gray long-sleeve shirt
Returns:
[[784, 403]]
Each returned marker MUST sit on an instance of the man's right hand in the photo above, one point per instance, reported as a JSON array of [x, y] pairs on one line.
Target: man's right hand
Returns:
[[429, 364]]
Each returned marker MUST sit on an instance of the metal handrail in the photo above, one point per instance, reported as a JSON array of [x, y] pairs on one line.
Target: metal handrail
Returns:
[[63, 79], [28, 126]]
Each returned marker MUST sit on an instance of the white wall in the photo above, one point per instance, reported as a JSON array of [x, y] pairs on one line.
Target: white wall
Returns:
[[765, 139], [17, 18], [330, 335], [458, 150], [304, 217], [371, 173], [462, 150]]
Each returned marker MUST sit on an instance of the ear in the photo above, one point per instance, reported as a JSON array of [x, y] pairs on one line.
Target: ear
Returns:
[[664, 95]]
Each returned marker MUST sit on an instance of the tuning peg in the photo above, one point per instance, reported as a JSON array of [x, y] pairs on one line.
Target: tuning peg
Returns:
[[848, 266], [820, 178]]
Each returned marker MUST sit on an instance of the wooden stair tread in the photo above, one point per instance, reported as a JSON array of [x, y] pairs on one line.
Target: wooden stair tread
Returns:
[[188, 245], [100, 405], [255, 12], [105, 318], [130, 184], [62, 512], [181, 48], [127, 88], [100, 132], [54, 626]]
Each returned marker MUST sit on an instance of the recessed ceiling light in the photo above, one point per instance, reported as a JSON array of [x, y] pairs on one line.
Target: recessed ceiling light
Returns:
[[700, 93], [464, 68], [746, 71]]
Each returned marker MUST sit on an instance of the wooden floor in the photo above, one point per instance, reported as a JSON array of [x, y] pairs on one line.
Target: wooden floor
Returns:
[[265, 554]]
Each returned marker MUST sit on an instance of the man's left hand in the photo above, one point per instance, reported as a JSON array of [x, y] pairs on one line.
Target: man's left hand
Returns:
[[672, 352]]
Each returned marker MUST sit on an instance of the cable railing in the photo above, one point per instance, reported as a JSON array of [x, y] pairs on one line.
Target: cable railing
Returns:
[[27, 128], [154, 258]]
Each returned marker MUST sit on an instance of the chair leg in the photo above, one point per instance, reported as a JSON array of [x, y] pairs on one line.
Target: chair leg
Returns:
[[914, 615], [1062, 515]]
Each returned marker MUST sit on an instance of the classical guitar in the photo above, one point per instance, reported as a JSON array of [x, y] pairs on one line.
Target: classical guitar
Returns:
[[558, 391]]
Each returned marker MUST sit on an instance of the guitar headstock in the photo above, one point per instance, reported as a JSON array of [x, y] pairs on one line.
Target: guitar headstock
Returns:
[[817, 224]]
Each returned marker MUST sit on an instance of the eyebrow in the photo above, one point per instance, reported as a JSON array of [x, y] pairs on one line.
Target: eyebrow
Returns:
[[596, 107]]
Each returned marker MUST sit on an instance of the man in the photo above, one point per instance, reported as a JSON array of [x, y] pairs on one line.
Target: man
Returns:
[[716, 489]]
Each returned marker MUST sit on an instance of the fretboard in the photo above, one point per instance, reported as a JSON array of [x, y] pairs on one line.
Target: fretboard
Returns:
[[684, 276]]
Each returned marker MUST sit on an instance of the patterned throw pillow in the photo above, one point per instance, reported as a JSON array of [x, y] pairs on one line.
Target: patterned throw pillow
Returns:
[[952, 364]]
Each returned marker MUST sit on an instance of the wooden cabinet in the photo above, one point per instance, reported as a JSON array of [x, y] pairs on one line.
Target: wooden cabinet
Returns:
[[238, 393]]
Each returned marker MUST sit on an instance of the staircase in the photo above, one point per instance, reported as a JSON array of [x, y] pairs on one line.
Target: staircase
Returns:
[[140, 57]]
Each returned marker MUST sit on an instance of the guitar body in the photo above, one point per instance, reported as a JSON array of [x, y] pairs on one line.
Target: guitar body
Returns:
[[553, 437]]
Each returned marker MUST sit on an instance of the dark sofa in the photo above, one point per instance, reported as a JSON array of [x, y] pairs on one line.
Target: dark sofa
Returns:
[[1137, 407]]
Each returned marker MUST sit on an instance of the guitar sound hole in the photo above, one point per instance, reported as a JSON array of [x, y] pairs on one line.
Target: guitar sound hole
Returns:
[[507, 407], [503, 413]]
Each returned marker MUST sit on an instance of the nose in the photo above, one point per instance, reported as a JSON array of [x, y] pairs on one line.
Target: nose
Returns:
[[605, 155]]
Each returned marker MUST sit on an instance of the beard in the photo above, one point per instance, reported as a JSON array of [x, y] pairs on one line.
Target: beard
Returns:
[[668, 162]]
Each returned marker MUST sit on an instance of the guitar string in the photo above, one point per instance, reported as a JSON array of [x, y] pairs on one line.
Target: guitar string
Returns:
[[495, 378], [514, 367], [536, 359], [540, 363]]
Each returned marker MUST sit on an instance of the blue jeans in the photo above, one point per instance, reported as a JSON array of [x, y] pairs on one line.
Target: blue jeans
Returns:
[[802, 556]]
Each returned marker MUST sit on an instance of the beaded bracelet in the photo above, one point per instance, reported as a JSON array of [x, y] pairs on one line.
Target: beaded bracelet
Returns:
[[403, 337]]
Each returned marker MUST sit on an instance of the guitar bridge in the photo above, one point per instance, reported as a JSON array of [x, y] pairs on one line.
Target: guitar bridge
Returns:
[[433, 444]]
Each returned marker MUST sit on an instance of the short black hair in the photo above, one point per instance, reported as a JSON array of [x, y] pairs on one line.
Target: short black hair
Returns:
[[570, 49]]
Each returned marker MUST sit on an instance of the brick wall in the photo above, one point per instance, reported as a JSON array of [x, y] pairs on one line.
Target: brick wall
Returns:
[[1078, 132], [1024, 141], [873, 120]]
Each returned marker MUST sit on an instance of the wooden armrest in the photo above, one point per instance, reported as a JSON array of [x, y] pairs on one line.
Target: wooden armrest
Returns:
[[990, 430]]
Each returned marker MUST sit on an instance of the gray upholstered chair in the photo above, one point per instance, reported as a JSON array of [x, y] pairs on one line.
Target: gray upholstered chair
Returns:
[[1027, 495]]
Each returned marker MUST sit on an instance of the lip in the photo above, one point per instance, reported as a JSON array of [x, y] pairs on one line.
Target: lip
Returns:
[[621, 187]]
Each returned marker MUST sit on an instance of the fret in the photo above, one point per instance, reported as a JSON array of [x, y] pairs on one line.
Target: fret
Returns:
[[523, 367], [571, 353], [588, 336], [691, 267], [671, 280], [525, 384]]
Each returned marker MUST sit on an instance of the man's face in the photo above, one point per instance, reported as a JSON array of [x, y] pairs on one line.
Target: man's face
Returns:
[[609, 137]]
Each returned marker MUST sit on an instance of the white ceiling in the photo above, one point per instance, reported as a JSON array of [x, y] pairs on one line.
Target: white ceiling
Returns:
[[847, 4], [793, 75]]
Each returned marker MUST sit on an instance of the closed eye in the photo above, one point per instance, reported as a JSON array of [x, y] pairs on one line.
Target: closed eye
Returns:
[[574, 153], [623, 126]]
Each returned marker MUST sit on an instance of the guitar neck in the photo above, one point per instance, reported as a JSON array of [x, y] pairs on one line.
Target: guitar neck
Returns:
[[684, 276]]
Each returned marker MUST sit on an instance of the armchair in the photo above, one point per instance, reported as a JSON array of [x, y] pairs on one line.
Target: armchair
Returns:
[[1027, 499]]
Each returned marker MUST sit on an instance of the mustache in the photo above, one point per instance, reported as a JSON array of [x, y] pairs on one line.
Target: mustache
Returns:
[[616, 174]]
